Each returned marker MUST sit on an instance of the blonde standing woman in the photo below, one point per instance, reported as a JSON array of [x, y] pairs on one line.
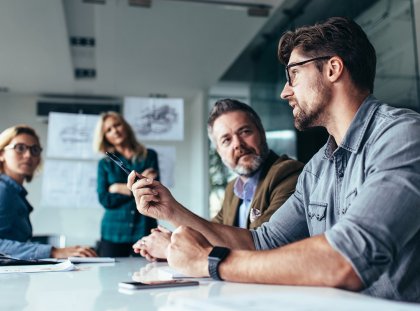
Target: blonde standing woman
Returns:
[[121, 225]]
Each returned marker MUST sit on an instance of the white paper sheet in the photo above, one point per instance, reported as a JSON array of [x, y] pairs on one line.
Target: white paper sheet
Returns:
[[69, 184], [59, 267], [70, 136], [155, 118], [167, 160]]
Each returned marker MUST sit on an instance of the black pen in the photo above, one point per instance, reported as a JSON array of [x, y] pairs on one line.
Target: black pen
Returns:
[[117, 161]]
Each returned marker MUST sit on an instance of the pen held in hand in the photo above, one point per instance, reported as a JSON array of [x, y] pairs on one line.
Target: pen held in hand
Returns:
[[117, 161]]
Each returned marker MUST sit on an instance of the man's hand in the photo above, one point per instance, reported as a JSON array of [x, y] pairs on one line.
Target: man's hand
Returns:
[[153, 246], [150, 173], [156, 201], [188, 252], [152, 198], [76, 251]]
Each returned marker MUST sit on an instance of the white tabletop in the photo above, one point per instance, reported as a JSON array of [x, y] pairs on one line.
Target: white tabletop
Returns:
[[95, 287]]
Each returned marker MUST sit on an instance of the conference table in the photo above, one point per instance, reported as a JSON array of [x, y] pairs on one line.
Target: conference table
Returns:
[[94, 286]]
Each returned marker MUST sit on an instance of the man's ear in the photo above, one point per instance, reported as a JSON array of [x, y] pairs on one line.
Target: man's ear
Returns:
[[335, 68]]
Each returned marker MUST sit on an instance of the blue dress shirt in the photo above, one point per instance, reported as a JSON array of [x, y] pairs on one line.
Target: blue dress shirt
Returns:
[[245, 191], [15, 225]]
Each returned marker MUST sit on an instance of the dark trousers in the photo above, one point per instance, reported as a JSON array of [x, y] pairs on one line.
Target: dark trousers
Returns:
[[111, 249]]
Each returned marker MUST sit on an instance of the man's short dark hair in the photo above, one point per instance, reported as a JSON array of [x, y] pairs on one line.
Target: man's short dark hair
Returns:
[[336, 36], [227, 105]]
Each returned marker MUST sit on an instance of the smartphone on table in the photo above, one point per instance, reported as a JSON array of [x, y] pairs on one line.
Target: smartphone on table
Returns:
[[157, 284]]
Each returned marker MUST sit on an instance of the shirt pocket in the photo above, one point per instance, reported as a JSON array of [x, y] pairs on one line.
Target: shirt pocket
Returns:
[[348, 200], [317, 217]]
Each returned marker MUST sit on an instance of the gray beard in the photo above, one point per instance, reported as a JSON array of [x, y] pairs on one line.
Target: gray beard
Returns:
[[241, 170], [257, 161]]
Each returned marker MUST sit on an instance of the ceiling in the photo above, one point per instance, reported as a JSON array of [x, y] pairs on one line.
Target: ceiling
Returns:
[[261, 53], [173, 48]]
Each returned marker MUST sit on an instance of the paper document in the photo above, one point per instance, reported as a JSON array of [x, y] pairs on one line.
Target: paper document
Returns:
[[58, 267], [91, 259]]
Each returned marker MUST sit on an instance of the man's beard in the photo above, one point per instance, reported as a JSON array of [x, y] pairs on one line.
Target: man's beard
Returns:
[[305, 120], [256, 162], [249, 170]]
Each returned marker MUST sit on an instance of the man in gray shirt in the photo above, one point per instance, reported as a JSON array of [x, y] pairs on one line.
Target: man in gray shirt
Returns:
[[354, 219]]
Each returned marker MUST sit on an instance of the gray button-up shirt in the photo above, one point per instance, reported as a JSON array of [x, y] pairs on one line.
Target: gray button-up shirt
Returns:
[[364, 195]]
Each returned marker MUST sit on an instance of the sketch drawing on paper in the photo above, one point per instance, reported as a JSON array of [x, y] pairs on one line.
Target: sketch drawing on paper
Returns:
[[75, 134], [156, 120], [70, 136]]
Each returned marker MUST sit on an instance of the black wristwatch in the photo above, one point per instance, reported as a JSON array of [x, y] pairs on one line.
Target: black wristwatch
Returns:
[[216, 256]]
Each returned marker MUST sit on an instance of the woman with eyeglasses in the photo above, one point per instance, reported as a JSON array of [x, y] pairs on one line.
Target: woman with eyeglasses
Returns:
[[20, 156], [122, 225]]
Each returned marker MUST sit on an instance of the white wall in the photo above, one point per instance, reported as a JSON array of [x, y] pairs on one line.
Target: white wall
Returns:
[[82, 226]]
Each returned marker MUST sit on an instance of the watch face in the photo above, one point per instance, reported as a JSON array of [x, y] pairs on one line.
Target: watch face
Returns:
[[219, 253]]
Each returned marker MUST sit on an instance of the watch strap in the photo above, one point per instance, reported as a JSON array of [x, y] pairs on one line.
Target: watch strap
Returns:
[[214, 270], [216, 256]]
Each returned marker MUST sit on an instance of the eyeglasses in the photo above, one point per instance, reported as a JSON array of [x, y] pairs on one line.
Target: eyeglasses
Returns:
[[290, 77], [20, 148]]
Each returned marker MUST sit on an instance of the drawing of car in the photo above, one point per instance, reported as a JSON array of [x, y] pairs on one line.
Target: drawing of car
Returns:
[[75, 134], [156, 121]]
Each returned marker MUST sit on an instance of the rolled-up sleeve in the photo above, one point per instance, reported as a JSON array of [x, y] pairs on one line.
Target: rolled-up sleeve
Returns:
[[385, 215]]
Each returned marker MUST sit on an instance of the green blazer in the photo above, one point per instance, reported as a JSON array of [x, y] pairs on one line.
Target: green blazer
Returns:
[[276, 184]]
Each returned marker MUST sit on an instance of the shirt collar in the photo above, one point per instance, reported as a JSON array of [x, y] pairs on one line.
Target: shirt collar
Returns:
[[246, 190], [12, 183], [354, 135]]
